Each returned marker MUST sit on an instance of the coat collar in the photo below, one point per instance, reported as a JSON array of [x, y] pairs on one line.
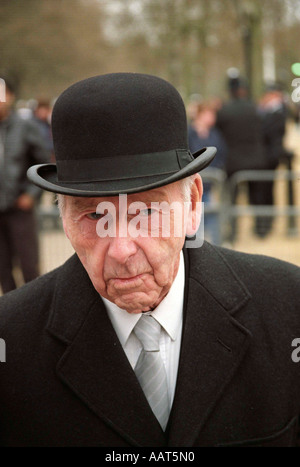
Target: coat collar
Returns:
[[213, 346]]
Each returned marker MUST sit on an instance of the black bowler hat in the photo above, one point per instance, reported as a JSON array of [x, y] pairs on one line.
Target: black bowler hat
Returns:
[[118, 133]]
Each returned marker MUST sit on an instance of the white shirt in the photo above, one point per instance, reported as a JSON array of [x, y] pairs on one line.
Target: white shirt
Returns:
[[169, 314]]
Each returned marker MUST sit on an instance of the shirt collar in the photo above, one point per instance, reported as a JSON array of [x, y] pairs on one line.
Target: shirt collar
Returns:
[[168, 313]]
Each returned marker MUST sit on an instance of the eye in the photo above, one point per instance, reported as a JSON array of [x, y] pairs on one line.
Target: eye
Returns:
[[94, 216], [147, 212]]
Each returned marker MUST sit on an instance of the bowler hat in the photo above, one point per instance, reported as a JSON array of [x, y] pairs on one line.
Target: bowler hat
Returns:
[[118, 133]]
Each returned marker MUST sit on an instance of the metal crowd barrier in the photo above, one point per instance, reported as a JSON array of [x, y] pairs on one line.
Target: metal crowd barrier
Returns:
[[289, 210]]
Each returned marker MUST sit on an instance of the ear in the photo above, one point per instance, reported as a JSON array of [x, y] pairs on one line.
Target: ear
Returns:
[[194, 214], [62, 202]]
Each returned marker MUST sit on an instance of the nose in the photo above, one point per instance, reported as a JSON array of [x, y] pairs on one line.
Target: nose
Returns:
[[121, 249]]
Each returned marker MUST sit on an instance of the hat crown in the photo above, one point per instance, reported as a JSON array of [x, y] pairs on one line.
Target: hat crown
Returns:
[[118, 114], [118, 133]]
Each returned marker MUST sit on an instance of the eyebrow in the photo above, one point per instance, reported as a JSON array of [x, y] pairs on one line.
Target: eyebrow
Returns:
[[83, 203], [145, 197]]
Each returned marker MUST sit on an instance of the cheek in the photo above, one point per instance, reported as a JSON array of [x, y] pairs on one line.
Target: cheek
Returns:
[[163, 256], [92, 259], [83, 245], [87, 230], [90, 250]]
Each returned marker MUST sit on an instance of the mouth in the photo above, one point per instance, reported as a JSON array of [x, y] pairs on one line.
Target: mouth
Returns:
[[123, 283]]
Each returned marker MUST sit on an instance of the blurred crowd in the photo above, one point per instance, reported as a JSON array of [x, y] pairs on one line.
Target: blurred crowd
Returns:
[[248, 136]]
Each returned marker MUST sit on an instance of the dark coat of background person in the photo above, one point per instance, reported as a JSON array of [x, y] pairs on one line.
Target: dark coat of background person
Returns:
[[241, 127], [67, 382], [273, 113], [274, 128], [22, 146]]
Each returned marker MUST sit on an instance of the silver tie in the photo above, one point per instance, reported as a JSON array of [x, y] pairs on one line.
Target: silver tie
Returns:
[[150, 369]]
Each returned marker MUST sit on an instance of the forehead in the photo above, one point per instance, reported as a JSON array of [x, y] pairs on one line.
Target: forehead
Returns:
[[165, 193]]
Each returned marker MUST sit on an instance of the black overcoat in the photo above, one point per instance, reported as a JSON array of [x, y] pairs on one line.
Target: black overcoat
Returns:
[[241, 127], [67, 382]]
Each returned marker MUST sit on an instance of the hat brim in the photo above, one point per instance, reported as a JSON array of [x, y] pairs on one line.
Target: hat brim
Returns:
[[45, 176]]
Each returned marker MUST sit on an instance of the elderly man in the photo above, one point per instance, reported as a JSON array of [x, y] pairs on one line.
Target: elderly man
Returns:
[[138, 340]]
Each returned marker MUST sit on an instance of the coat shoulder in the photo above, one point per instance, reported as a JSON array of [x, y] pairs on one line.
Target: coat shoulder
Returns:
[[251, 268], [30, 302], [261, 269], [267, 281]]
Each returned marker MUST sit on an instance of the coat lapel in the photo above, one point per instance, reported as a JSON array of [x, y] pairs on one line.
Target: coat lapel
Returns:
[[213, 343], [94, 365], [96, 369]]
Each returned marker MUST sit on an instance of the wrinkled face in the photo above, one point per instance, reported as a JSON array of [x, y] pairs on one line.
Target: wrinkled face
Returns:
[[130, 254]]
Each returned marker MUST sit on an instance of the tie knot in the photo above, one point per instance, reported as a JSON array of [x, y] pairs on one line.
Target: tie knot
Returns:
[[147, 330]]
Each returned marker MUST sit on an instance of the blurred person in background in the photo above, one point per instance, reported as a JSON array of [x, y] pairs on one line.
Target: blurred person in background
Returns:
[[240, 124], [274, 112], [202, 132], [192, 105], [42, 116], [21, 145]]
